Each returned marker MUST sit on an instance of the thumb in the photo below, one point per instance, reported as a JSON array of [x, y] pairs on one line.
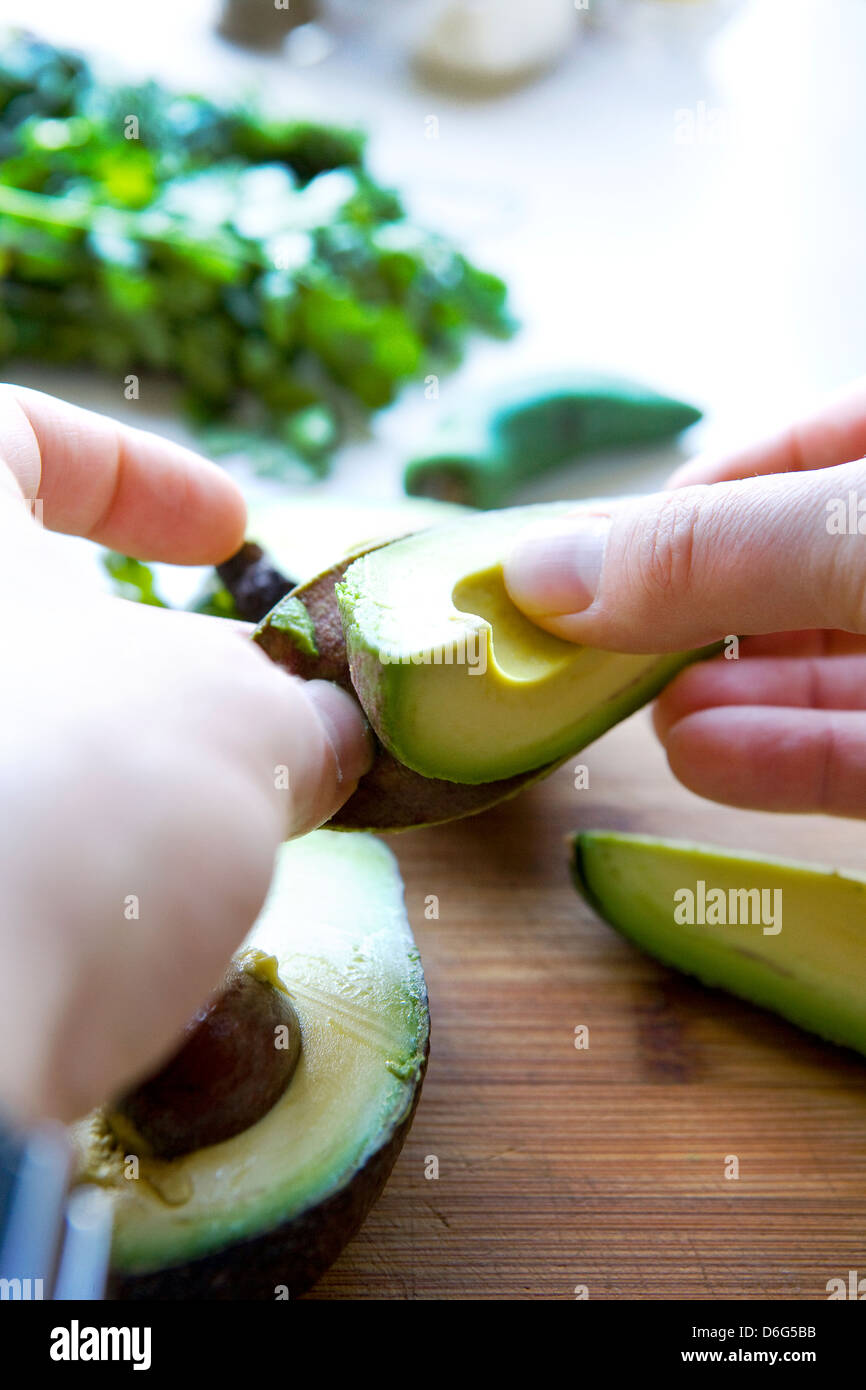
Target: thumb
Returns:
[[683, 568], [326, 746]]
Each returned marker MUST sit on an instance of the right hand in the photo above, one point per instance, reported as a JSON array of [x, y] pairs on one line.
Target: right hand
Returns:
[[739, 545]]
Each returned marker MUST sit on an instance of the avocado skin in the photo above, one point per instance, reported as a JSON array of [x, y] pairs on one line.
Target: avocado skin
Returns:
[[516, 432], [254, 583], [579, 877], [295, 1254], [391, 796]]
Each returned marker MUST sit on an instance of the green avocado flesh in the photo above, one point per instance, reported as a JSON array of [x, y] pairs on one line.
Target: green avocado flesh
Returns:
[[812, 971], [291, 617], [456, 682], [336, 922]]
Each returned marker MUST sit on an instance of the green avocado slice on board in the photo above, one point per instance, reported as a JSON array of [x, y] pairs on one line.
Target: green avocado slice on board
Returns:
[[788, 936]]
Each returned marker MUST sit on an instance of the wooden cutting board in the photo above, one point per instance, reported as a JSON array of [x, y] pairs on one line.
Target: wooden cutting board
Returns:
[[605, 1167]]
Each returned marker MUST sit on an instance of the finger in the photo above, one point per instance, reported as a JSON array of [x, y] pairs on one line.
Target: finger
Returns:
[[127, 488], [809, 683], [197, 623], [327, 763], [834, 434], [684, 568], [771, 759], [310, 739]]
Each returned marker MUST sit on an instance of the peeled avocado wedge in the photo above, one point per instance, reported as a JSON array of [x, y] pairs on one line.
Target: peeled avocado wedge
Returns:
[[456, 682], [812, 971], [271, 1207]]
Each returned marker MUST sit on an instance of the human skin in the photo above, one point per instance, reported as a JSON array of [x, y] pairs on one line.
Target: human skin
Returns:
[[140, 757], [740, 544]]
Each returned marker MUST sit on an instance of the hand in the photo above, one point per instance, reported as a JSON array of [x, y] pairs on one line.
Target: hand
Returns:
[[141, 806], [749, 544]]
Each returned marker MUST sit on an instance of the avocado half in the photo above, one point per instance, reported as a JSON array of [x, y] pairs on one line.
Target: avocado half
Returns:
[[473, 702], [263, 1214], [456, 682], [788, 936]]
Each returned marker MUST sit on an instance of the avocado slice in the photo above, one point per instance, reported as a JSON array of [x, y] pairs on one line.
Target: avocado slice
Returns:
[[456, 682], [273, 1206], [793, 938]]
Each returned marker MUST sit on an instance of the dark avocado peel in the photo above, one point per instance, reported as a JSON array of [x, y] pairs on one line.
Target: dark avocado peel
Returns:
[[254, 581], [262, 1213], [788, 936]]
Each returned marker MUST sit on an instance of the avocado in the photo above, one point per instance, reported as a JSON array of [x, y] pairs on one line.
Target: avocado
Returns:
[[391, 796], [518, 430], [237, 1057], [456, 682], [262, 1214], [788, 936]]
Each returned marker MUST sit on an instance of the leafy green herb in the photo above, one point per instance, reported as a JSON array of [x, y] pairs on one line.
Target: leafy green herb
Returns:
[[254, 261], [215, 601], [135, 581], [132, 579]]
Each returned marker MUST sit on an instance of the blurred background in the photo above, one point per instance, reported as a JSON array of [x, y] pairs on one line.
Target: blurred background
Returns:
[[670, 190]]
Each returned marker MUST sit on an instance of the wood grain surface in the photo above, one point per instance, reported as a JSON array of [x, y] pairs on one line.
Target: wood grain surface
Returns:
[[605, 1167]]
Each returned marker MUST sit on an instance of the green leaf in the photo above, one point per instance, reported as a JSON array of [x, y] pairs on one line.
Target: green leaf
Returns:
[[133, 580]]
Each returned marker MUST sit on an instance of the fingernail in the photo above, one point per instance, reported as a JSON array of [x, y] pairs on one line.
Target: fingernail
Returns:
[[555, 566], [347, 730]]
